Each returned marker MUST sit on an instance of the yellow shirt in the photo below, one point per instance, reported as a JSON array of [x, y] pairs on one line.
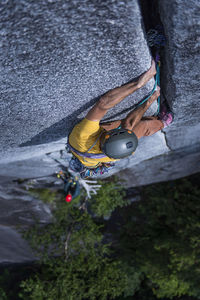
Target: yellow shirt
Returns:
[[82, 137]]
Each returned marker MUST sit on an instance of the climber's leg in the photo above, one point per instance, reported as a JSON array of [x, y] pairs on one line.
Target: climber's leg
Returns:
[[148, 126], [116, 95], [111, 125], [135, 116]]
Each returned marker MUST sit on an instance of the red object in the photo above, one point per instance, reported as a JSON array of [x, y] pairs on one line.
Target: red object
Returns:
[[68, 198]]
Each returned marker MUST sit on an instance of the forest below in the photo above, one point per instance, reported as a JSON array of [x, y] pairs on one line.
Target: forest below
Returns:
[[141, 243]]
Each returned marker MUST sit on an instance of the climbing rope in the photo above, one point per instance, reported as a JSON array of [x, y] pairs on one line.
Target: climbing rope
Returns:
[[157, 82], [155, 38]]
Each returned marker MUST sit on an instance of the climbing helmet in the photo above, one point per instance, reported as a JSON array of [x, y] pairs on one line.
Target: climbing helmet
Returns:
[[118, 143]]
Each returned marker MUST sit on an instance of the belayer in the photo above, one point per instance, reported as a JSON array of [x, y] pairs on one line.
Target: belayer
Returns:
[[97, 145]]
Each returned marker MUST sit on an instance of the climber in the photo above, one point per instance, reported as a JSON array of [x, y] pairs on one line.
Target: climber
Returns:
[[97, 145]]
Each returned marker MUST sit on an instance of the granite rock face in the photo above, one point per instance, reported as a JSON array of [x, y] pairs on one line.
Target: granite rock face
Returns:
[[57, 58], [180, 84], [181, 70], [10, 241], [172, 165], [19, 210]]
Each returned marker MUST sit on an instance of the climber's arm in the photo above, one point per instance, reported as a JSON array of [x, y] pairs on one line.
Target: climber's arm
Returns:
[[96, 113], [115, 96], [109, 100]]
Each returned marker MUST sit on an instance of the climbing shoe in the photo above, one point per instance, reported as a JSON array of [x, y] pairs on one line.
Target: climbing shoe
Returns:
[[165, 115]]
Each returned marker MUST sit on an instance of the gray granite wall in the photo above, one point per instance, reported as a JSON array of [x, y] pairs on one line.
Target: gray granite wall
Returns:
[[181, 86], [56, 59], [180, 82]]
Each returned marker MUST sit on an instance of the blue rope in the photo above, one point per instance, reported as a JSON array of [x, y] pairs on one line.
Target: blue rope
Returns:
[[156, 38], [158, 82]]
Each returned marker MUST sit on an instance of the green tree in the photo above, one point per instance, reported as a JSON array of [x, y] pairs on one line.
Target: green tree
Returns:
[[76, 261], [162, 238], [110, 196]]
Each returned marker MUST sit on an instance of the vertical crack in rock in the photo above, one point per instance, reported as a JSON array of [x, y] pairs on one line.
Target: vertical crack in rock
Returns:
[[181, 69], [150, 13], [151, 19]]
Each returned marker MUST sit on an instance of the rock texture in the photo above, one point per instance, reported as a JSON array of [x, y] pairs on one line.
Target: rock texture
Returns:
[[173, 165], [19, 206], [181, 70], [180, 83], [13, 248], [57, 58]]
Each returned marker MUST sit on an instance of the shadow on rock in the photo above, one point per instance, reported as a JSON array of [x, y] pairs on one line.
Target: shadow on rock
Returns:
[[60, 129]]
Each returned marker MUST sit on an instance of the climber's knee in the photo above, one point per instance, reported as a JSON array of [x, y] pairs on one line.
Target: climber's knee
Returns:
[[127, 124], [147, 132], [140, 129]]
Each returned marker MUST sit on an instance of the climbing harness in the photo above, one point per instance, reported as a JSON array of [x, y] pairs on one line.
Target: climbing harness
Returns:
[[100, 170], [85, 172], [86, 154]]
